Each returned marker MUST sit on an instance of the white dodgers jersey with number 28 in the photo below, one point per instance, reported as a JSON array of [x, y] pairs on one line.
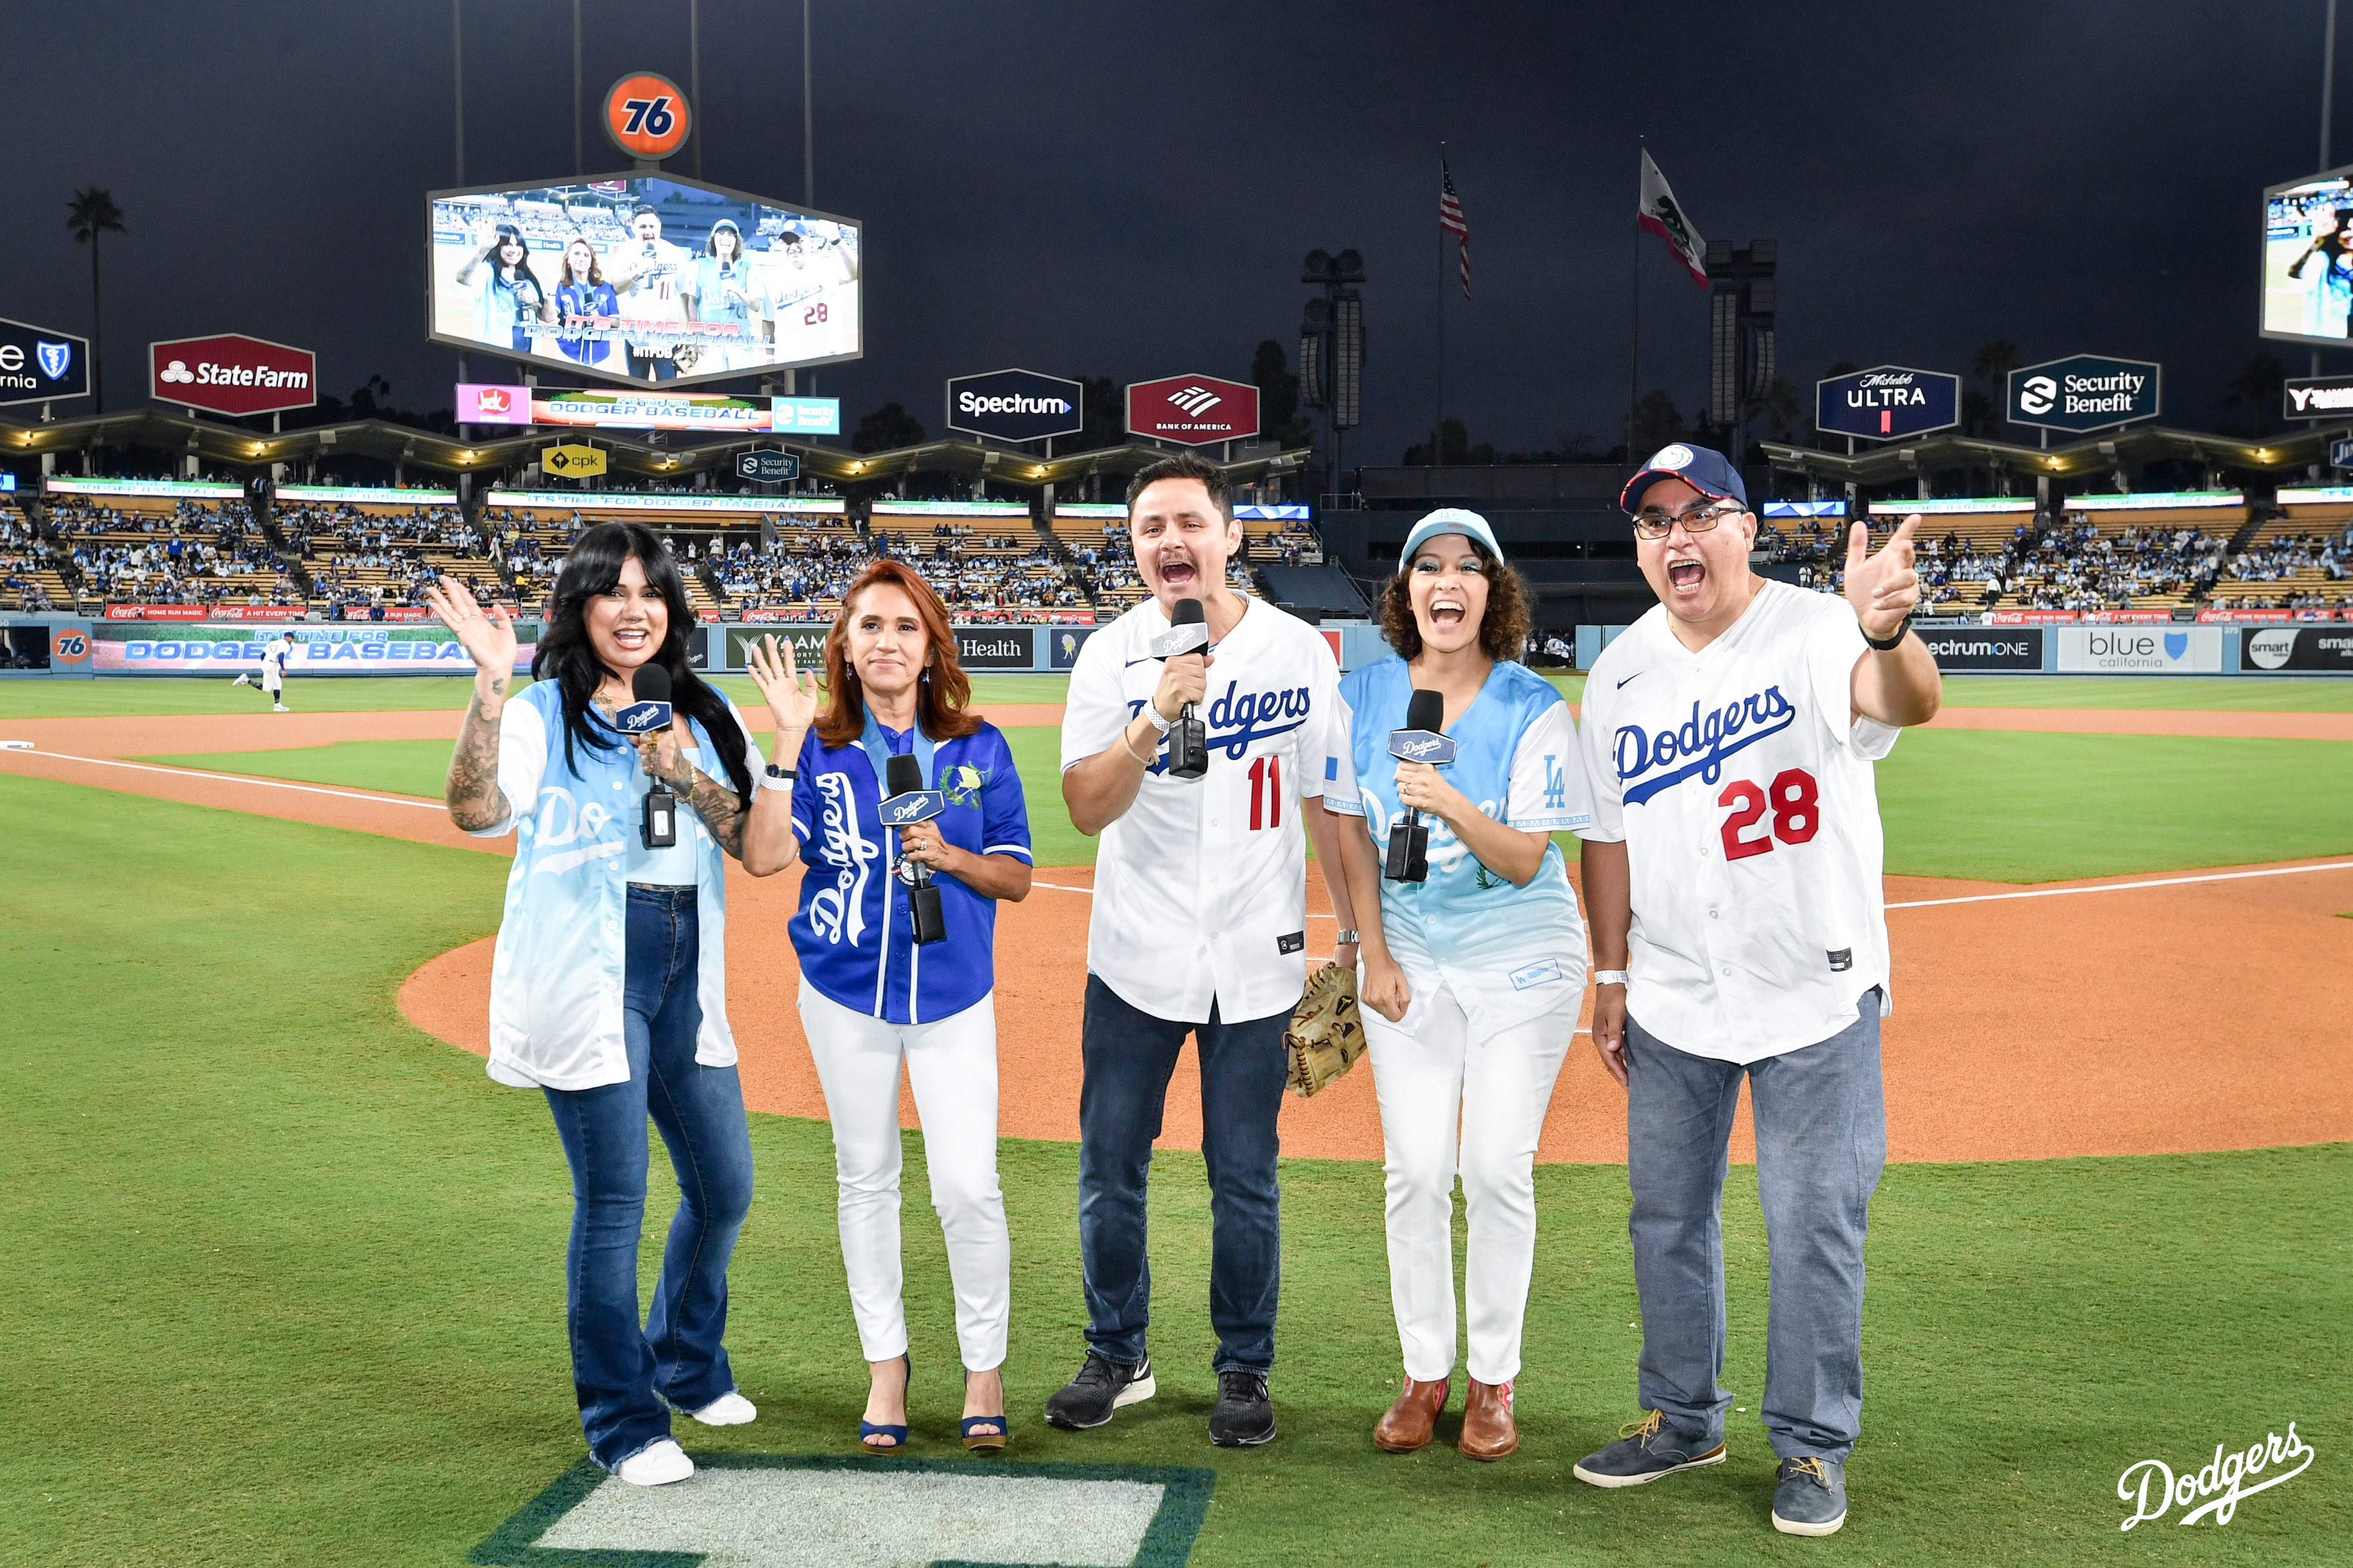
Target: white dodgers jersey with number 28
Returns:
[[1742, 784]]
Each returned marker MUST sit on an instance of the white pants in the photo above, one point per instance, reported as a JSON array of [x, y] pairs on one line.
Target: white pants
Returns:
[[952, 1066], [1451, 1103]]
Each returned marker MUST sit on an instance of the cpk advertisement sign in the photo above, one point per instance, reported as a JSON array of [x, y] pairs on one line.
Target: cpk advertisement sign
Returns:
[[1192, 410], [1887, 403], [2084, 391], [232, 373], [37, 364]]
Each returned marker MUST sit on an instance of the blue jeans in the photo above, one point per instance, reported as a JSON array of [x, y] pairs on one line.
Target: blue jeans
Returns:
[[627, 1377], [1129, 1055], [1821, 1142]]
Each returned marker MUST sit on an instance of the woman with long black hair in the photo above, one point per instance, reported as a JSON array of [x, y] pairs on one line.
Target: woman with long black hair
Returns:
[[608, 992]]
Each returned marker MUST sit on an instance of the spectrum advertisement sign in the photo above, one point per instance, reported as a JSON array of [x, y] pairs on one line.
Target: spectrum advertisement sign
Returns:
[[503, 403], [129, 649]]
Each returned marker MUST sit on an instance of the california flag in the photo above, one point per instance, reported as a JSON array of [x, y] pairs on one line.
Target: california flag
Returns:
[[1663, 215]]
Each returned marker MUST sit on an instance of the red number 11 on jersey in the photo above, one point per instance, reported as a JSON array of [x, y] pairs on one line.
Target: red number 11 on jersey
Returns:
[[1266, 792]]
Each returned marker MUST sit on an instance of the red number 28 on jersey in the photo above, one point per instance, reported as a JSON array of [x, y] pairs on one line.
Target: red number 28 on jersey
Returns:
[[1792, 800]]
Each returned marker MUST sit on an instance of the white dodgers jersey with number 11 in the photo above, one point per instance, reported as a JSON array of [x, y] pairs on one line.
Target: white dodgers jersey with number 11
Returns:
[[1742, 784]]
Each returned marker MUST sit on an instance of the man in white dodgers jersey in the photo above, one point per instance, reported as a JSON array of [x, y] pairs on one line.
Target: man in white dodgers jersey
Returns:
[[1200, 927], [651, 278], [1732, 881], [811, 304]]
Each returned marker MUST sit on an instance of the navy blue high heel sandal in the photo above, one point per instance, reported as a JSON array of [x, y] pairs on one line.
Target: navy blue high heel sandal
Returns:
[[986, 1442], [898, 1434]]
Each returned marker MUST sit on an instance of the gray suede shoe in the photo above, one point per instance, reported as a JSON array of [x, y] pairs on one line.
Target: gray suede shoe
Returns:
[[1645, 1451], [1809, 1497]]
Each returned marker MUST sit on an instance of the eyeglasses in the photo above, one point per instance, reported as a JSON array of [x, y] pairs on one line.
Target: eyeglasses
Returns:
[[1697, 518]]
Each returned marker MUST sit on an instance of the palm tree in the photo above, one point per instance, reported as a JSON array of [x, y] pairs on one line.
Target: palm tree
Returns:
[[1995, 360], [90, 214]]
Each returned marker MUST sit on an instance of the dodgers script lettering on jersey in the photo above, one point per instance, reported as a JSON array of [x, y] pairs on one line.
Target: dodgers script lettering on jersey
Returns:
[[1200, 886], [1740, 780]]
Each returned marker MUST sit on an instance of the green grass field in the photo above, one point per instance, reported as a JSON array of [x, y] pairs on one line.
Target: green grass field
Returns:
[[1992, 804], [288, 1285]]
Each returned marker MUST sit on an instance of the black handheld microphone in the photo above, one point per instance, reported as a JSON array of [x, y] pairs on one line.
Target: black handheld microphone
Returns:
[[1188, 738], [1420, 741], [908, 803], [650, 715]]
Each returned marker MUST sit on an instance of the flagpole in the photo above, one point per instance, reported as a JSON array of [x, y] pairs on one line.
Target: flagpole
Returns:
[[1437, 420], [1634, 355]]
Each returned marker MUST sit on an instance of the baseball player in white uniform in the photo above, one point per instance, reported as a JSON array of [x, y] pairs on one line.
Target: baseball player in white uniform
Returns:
[[652, 280], [274, 656], [1732, 880], [1200, 927]]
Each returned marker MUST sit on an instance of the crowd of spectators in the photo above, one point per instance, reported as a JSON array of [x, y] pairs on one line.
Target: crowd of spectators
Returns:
[[195, 554], [2074, 566], [22, 553]]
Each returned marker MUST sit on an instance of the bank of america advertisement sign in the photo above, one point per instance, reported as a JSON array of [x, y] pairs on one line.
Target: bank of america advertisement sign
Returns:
[[2140, 650], [1016, 405], [2084, 391]]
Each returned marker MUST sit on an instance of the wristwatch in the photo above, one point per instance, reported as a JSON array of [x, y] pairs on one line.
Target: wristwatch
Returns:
[[1894, 642], [1609, 977], [779, 778], [1345, 939], [1151, 715]]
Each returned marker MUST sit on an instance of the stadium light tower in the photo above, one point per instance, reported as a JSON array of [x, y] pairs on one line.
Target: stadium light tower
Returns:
[[1332, 345], [1741, 287]]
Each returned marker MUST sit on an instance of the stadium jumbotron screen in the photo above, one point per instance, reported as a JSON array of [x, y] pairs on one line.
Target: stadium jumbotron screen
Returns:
[[2308, 258], [643, 279]]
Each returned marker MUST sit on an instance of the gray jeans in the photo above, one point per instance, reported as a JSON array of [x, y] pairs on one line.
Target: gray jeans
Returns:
[[1821, 1142]]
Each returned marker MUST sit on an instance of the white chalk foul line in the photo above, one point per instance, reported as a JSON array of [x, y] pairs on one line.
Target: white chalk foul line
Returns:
[[2125, 887], [245, 779]]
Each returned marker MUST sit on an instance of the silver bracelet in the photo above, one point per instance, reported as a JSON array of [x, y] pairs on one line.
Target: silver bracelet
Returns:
[[1609, 977]]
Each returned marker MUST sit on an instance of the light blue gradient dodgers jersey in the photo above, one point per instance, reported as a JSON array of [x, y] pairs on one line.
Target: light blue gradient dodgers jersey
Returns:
[[1508, 953]]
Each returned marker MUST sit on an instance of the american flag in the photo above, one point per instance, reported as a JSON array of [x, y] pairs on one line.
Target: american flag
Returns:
[[1450, 218]]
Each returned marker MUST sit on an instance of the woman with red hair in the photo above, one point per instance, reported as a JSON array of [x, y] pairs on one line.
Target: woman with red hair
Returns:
[[871, 996]]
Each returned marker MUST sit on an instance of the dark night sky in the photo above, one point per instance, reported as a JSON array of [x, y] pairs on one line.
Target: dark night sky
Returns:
[[1126, 190]]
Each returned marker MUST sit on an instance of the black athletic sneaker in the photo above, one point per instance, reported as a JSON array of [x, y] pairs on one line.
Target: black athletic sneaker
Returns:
[[1102, 1386], [1645, 1451], [1245, 1415]]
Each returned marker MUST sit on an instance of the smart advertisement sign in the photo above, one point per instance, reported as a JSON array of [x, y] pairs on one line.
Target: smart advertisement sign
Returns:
[[1016, 405], [1887, 403], [37, 364], [2296, 649], [2084, 391]]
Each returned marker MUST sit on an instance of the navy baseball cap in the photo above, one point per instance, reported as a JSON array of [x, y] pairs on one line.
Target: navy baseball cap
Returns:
[[1704, 468]]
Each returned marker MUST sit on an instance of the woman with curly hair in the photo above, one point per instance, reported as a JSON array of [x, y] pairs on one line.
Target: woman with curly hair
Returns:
[[1472, 977]]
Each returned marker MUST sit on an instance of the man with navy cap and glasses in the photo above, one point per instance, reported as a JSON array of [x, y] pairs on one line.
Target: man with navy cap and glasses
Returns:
[[1731, 887]]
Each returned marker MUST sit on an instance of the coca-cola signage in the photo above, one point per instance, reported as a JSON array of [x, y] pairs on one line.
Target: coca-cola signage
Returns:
[[1887, 403], [232, 373], [1192, 410]]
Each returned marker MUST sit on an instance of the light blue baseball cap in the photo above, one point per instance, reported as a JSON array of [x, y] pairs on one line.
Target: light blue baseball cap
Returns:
[[1450, 519]]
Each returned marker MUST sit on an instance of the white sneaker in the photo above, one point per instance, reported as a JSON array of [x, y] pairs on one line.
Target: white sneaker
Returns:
[[241, 679], [730, 1409], [282, 708], [655, 1465]]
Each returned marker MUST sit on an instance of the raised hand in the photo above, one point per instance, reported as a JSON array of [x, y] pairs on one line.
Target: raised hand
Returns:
[[1883, 588], [790, 693], [488, 637]]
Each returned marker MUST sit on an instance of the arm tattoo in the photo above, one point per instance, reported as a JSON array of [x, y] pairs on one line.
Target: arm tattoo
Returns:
[[713, 802], [475, 803]]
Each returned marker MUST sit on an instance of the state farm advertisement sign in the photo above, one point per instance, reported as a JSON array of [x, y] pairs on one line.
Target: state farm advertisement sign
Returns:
[[1192, 410], [232, 373]]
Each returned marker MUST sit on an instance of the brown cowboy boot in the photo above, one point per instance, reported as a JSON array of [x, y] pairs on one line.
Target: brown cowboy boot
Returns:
[[1488, 1429], [1409, 1422]]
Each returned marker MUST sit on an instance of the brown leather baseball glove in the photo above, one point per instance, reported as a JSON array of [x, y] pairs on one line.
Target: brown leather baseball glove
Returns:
[[1327, 1035]]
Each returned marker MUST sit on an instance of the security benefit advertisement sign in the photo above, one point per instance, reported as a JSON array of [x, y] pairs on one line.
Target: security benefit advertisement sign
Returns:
[[2139, 650], [1984, 648], [2085, 393], [364, 648], [2296, 650]]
